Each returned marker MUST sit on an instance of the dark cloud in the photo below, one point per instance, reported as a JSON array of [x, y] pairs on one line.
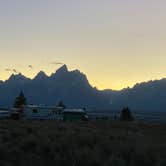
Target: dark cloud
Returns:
[[57, 63], [7, 69], [30, 66], [12, 70], [15, 71]]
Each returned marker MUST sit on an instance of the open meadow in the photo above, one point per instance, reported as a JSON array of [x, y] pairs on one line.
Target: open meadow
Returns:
[[100, 143]]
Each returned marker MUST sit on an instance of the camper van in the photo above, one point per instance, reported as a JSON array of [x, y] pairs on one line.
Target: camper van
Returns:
[[42, 113]]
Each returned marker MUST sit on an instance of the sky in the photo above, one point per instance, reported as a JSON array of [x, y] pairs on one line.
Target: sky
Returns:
[[115, 43]]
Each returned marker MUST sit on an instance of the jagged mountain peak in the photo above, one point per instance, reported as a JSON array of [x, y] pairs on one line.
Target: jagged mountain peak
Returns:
[[74, 76], [17, 77], [62, 69], [40, 76]]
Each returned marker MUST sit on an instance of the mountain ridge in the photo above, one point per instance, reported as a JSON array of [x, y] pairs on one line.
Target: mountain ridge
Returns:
[[75, 90]]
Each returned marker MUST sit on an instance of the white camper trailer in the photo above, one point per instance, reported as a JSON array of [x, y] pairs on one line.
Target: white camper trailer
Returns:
[[42, 113]]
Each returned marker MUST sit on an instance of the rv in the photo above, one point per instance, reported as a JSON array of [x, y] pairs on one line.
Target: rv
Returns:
[[53, 113], [42, 113]]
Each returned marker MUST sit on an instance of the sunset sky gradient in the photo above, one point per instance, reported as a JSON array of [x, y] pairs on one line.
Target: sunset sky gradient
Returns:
[[116, 43]]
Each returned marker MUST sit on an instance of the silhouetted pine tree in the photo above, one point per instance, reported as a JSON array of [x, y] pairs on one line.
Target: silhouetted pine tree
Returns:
[[20, 100], [61, 104], [126, 115]]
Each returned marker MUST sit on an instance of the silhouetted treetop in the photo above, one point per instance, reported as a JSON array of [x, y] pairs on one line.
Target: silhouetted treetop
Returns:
[[20, 100], [126, 115], [61, 104]]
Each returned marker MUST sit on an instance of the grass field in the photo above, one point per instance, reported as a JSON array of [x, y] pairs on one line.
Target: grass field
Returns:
[[100, 143]]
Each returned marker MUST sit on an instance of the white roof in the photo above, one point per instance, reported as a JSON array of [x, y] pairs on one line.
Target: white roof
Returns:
[[42, 107], [3, 111], [74, 110]]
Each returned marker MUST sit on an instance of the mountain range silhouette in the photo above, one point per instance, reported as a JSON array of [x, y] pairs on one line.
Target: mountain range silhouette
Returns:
[[74, 89]]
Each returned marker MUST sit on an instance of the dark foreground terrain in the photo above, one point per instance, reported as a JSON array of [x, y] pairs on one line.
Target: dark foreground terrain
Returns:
[[100, 143]]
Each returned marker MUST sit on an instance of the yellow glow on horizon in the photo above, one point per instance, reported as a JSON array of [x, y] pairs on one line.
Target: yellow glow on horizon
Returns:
[[100, 81]]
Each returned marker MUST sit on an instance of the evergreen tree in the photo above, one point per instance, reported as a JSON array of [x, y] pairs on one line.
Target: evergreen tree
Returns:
[[61, 104], [126, 115], [20, 100]]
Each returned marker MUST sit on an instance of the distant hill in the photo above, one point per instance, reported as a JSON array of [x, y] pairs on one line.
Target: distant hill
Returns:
[[146, 96], [74, 89]]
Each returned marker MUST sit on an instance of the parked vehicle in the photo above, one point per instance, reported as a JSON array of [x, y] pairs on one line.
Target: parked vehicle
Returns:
[[4, 113], [34, 112], [42, 112], [74, 115]]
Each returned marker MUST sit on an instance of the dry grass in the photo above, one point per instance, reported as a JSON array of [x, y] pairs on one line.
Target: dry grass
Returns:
[[100, 143]]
